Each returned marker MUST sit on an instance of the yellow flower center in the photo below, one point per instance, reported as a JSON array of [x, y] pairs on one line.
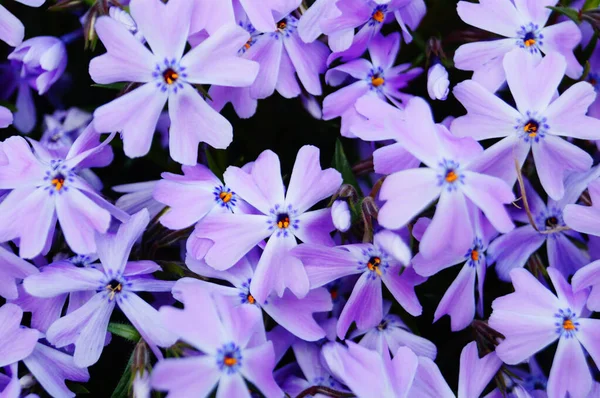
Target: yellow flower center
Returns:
[[229, 361], [378, 16], [251, 299], [474, 255], [373, 265], [283, 221], [531, 128], [377, 81], [58, 182], [451, 176], [529, 42], [170, 76], [568, 324], [225, 196]]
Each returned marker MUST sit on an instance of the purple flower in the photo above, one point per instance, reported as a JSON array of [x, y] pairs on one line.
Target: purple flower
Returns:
[[295, 315], [391, 334], [6, 117], [44, 189], [282, 218], [585, 219], [233, 345], [459, 299], [310, 24], [379, 78], [449, 175], [62, 128], [589, 276], [437, 82], [523, 25], [536, 123], [369, 16], [514, 249], [138, 196], [48, 366], [533, 317], [12, 30], [167, 75], [13, 270], [365, 307], [114, 281], [210, 15], [475, 372], [122, 16], [42, 61]]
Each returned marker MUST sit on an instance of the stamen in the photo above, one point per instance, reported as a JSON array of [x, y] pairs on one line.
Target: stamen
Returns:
[[474, 255], [58, 182], [283, 221], [377, 81], [334, 293], [378, 16], [170, 76], [531, 128], [229, 361], [114, 286], [451, 176], [568, 325], [529, 39], [281, 25], [251, 299], [225, 196], [551, 222], [373, 265]]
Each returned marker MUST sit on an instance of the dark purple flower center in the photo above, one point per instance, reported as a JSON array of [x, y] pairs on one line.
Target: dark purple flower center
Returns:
[[551, 222], [58, 181], [170, 76], [114, 287], [373, 265], [382, 325], [531, 128], [529, 39], [283, 221]]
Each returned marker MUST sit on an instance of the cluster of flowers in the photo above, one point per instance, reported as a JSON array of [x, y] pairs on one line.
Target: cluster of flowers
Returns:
[[307, 258]]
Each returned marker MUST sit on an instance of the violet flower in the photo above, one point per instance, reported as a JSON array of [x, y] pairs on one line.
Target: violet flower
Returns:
[[365, 307], [369, 16], [44, 189], [585, 219], [6, 117], [295, 315], [533, 317], [12, 30], [138, 196], [282, 217], [48, 366], [233, 345], [459, 300], [13, 270], [167, 75], [391, 333], [379, 78], [535, 124], [513, 249], [523, 24], [115, 281], [62, 128], [449, 175]]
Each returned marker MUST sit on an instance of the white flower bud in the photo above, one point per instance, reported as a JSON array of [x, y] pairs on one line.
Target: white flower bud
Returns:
[[437, 82], [340, 214]]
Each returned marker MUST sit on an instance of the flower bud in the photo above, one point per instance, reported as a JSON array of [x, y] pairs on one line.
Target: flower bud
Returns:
[[42, 61], [340, 214], [437, 82]]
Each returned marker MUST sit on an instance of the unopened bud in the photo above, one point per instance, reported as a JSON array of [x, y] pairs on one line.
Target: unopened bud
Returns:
[[341, 216]]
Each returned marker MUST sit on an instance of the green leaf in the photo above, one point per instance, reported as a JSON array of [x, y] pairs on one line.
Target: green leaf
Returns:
[[589, 49], [76, 387], [122, 389], [590, 5], [568, 12], [341, 164], [10, 106], [113, 86], [126, 331], [217, 161]]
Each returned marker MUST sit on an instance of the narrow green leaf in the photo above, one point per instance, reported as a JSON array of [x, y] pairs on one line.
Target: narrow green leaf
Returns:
[[113, 86], [10, 106], [590, 5], [122, 389], [568, 12], [217, 161], [341, 164], [126, 331], [76, 387], [589, 49]]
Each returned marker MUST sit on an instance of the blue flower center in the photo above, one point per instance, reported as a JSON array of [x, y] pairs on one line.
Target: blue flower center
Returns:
[[566, 323], [229, 358]]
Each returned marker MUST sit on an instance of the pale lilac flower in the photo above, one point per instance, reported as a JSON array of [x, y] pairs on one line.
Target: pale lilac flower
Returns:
[[585, 219], [523, 24], [282, 217], [391, 333], [449, 175], [167, 75], [309, 26], [340, 215], [12, 30], [533, 317], [437, 82], [122, 16], [513, 249], [44, 189], [475, 372], [295, 315], [48, 366], [6, 117], [365, 307], [13, 270], [115, 281], [233, 345], [138, 196], [459, 300], [536, 124], [62, 128], [378, 78]]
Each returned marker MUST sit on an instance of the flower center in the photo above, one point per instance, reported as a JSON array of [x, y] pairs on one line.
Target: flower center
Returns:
[[334, 293], [382, 325], [58, 181], [114, 287], [225, 196], [378, 16], [281, 25], [229, 358], [451, 176], [475, 255], [551, 222], [373, 265], [283, 221], [250, 299], [229, 361], [531, 128], [566, 325], [377, 81], [170, 76], [529, 39]]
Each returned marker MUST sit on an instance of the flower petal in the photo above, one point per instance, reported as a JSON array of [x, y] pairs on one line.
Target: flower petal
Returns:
[[364, 306], [570, 374], [180, 376], [16, 343], [146, 320]]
